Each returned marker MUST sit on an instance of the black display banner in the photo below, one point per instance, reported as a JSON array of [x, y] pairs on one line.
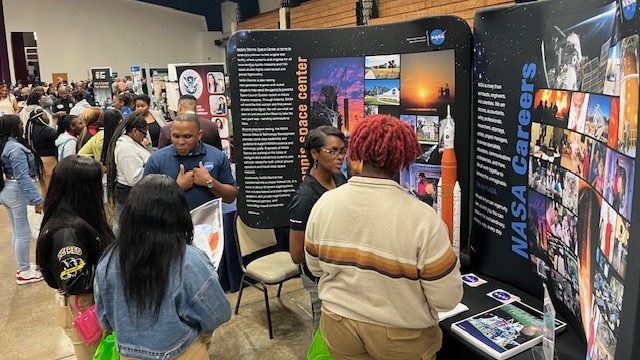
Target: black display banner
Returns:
[[289, 82], [556, 114], [101, 78]]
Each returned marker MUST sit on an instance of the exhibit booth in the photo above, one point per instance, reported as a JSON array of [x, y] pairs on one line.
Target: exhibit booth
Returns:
[[544, 100]]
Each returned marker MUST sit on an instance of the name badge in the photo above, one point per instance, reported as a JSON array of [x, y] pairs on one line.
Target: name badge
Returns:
[[208, 165]]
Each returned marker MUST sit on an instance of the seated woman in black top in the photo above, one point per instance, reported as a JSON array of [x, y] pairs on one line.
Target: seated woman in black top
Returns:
[[326, 148], [42, 139], [73, 235]]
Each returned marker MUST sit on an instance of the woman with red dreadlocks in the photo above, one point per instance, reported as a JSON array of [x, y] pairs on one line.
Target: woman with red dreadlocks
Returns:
[[385, 263]]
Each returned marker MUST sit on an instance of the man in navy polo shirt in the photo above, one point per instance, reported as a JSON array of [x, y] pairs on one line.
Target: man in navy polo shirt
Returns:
[[202, 171]]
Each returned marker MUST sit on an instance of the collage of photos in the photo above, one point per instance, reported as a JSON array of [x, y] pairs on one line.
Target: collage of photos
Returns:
[[585, 130], [416, 87], [216, 89]]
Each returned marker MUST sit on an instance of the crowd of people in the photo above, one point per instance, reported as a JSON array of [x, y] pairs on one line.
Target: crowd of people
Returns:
[[138, 267]]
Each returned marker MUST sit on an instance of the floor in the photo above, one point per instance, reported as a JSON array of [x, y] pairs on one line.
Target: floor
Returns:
[[28, 330]]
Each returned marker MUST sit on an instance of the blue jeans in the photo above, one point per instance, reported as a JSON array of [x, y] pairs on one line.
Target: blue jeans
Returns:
[[15, 201]]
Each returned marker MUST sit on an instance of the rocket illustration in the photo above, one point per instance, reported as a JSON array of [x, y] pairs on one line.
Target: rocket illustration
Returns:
[[457, 203], [449, 174]]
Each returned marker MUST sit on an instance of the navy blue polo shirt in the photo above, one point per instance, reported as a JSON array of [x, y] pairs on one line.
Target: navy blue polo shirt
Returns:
[[167, 161]]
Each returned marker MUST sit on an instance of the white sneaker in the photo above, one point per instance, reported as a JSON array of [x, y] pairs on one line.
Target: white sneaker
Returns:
[[31, 266], [28, 276]]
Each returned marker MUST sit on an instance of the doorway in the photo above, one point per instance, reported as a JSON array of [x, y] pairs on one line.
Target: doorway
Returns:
[[24, 47]]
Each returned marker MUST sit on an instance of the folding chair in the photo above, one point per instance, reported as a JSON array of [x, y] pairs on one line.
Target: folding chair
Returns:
[[271, 269]]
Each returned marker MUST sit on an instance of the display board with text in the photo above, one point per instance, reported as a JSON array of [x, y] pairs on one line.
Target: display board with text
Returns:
[[287, 83], [555, 178]]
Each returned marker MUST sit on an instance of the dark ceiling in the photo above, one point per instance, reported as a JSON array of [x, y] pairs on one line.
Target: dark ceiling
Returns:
[[210, 9]]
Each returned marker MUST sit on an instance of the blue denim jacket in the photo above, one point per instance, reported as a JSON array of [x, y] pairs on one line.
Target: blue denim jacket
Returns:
[[19, 162], [194, 305]]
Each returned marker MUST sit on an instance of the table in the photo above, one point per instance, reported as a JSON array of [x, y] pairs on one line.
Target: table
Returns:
[[568, 342]]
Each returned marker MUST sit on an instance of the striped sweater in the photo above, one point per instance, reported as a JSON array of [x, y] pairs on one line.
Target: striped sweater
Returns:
[[382, 256]]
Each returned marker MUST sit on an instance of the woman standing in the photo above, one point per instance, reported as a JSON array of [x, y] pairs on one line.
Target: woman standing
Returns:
[[155, 120], [42, 138], [69, 127], [95, 146], [73, 235], [384, 259], [92, 119], [126, 158], [326, 149], [8, 102], [121, 102], [20, 166], [159, 293]]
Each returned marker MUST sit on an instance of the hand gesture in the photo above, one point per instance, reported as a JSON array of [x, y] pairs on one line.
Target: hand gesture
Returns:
[[185, 179], [201, 175]]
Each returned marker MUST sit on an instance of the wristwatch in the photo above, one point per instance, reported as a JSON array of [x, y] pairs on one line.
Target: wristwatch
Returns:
[[210, 183]]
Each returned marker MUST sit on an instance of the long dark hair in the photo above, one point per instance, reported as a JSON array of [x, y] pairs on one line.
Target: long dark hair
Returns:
[[110, 120], [155, 228], [10, 127], [135, 120], [75, 193]]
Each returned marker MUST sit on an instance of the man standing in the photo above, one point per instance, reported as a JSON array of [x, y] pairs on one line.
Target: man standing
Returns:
[[202, 171], [187, 105], [63, 105]]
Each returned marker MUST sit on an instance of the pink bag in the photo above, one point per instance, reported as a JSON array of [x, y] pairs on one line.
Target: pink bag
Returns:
[[86, 323]]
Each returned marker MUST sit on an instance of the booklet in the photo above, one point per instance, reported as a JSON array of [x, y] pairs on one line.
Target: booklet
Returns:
[[208, 231], [505, 330]]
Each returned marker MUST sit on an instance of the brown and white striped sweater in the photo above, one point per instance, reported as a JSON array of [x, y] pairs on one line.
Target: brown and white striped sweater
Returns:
[[383, 257]]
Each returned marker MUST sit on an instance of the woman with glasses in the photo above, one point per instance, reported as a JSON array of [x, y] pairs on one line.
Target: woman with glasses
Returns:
[[126, 159], [326, 148]]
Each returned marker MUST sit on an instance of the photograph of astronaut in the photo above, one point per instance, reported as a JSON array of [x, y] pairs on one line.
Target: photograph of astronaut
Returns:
[[575, 51]]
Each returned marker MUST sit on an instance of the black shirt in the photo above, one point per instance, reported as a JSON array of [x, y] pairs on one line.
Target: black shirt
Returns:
[[43, 138], [70, 256], [154, 132], [303, 200], [62, 105]]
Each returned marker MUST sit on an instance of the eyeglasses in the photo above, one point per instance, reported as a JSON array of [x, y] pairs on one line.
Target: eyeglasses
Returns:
[[335, 152]]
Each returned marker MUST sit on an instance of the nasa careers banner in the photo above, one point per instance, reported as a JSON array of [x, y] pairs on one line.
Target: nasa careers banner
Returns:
[[555, 116], [206, 83], [290, 82]]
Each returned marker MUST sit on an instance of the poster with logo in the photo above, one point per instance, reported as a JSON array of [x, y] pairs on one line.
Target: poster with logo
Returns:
[[102, 80], [206, 83], [290, 82], [556, 115]]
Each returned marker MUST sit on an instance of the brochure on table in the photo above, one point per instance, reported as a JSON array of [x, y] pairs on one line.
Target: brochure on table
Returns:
[[504, 331]]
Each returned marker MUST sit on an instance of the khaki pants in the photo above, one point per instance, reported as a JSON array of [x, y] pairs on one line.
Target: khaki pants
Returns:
[[196, 351], [65, 317], [353, 340], [49, 163]]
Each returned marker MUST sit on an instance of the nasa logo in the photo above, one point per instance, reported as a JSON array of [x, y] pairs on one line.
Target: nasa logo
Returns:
[[629, 8], [190, 83], [437, 37]]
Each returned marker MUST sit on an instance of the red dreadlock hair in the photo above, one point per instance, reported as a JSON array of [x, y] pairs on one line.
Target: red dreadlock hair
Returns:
[[385, 142]]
